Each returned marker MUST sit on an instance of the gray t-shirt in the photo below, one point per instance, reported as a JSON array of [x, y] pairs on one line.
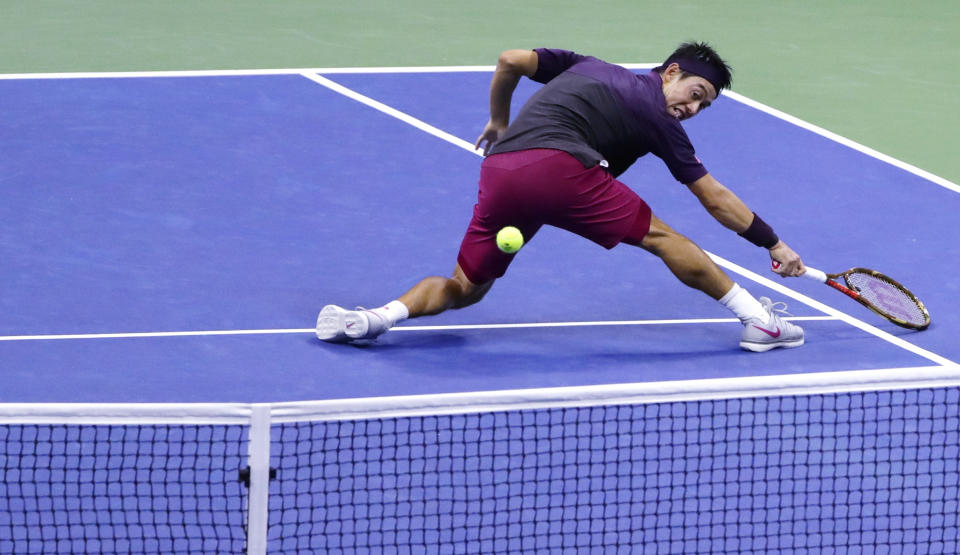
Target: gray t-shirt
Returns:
[[600, 113]]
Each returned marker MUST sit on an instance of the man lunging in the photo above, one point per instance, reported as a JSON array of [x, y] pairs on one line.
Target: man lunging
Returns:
[[557, 165]]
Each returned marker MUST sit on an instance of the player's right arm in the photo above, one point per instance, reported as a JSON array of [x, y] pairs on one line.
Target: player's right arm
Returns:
[[511, 66], [727, 208]]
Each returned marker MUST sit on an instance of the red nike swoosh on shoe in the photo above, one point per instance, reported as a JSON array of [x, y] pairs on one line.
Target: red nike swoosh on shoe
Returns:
[[773, 334]]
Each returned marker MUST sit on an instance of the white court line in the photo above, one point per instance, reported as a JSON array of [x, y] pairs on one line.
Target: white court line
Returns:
[[426, 127], [134, 335], [254, 72], [201, 333], [595, 324], [945, 183], [423, 126]]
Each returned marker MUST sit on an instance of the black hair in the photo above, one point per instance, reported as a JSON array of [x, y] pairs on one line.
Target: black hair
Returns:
[[705, 53]]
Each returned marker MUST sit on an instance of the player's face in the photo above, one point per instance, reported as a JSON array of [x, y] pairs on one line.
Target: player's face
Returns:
[[686, 94]]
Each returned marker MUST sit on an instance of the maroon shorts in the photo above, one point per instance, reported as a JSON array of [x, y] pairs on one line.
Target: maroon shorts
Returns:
[[530, 188]]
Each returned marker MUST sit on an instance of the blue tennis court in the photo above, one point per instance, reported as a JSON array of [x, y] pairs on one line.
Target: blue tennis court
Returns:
[[226, 204], [169, 239]]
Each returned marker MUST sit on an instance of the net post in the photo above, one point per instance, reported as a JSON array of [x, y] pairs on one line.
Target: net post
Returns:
[[259, 461]]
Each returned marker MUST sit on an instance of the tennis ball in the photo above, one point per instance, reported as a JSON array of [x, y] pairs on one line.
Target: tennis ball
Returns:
[[509, 239]]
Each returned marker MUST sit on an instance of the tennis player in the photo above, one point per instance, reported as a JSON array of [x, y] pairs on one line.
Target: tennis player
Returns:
[[557, 165]]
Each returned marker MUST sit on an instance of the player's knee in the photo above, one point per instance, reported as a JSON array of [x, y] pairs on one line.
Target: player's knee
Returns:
[[468, 293], [664, 242]]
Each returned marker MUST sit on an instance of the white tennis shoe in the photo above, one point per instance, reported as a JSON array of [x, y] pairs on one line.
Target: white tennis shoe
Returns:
[[338, 325], [331, 324], [759, 336]]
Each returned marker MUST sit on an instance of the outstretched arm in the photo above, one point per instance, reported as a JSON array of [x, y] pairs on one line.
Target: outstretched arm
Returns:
[[727, 208], [511, 66]]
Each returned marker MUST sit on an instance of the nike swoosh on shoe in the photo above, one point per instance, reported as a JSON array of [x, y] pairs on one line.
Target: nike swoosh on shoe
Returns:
[[773, 334]]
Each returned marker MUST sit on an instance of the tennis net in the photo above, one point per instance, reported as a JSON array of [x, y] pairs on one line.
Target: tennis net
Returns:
[[861, 462]]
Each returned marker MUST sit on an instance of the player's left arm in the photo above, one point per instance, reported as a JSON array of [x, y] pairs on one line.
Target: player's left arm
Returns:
[[727, 208]]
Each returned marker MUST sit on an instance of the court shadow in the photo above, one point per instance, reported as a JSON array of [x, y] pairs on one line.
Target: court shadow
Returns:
[[397, 342]]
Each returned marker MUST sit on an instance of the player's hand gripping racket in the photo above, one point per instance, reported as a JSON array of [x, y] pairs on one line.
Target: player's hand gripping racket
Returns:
[[879, 293]]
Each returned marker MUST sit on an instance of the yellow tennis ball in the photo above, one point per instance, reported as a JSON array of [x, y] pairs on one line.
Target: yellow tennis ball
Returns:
[[509, 239]]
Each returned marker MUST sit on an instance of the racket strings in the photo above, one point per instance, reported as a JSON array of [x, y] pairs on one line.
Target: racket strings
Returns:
[[887, 297]]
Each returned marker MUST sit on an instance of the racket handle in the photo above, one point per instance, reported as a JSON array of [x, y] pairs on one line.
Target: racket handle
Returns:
[[809, 273], [815, 274]]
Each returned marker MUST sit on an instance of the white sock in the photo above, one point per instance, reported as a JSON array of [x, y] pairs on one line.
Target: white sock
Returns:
[[743, 305], [394, 312]]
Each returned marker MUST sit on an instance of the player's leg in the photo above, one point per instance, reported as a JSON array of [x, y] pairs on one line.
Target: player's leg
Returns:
[[479, 263], [436, 294], [432, 295], [763, 327], [685, 259], [608, 212]]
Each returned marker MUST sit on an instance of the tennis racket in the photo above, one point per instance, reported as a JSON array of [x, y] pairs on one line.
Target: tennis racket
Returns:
[[879, 293]]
